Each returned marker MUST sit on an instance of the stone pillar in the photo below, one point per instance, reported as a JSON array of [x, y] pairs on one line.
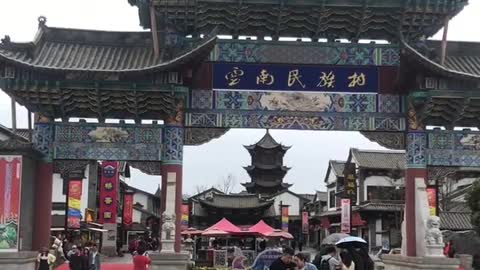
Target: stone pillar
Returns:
[[42, 141], [171, 196], [416, 171]]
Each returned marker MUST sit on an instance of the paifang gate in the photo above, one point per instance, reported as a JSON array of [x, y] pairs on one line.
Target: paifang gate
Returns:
[[201, 87]]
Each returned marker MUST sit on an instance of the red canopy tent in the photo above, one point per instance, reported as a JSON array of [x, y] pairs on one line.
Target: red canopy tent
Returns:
[[223, 227], [192, 231], [261, 228], [280, 234]]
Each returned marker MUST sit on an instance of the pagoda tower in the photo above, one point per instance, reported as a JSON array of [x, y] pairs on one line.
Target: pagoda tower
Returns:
[[267, 170]]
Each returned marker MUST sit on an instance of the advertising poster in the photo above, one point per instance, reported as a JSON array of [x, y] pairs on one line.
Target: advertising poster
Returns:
[[345, 222], [285, 218], [10, 185], [432, 200], [108, 192], [305, 227], [185, 214], [128, 209], [74, 200]]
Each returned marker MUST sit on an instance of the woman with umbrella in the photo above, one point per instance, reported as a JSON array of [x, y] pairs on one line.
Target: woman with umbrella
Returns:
[[357, 247]]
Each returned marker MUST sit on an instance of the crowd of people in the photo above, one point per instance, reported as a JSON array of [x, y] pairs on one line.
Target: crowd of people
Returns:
[[347, 259]]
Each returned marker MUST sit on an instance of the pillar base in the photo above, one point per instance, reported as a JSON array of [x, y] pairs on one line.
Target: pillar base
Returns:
[[169, 261], [168, 246], [23, 260], [397, 262]]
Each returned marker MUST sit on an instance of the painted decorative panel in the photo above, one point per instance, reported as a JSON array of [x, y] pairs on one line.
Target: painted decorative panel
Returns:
[[296, 120], [416, 150], [107, 141], [173, 145], [298, 101], [264, 77], [43, 135], [305, 53], [454, 148]]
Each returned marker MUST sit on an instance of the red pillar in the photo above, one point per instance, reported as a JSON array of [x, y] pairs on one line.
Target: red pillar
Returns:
[[416, 171], [43, 205]]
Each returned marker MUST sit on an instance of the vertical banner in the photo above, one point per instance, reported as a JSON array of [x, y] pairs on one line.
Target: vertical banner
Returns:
[[185, 215], [350, 182], [108, 192], [10, 186], [284, 218], [128, 209], [432, 200], [345, 222], [305, 227], [74, 199]]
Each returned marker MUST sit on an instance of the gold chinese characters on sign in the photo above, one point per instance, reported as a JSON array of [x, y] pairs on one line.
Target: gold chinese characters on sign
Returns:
[[294, 77], [327, 80], [357, 80], [233, 77], [265, 78]]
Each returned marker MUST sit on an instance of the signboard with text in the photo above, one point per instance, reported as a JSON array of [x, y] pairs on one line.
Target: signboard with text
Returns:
[[345, 223], [350, 182], [305, 227], [228, 76], [108, 192]]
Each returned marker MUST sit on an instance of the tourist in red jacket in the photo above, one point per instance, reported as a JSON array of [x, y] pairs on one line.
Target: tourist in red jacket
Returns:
[[140, 261]]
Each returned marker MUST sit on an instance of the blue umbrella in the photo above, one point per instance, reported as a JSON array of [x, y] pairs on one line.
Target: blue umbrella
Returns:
[[351, 241]]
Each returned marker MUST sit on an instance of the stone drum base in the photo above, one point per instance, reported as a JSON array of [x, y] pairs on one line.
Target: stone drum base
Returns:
[[397, 262], [23, 260], [169, 261]]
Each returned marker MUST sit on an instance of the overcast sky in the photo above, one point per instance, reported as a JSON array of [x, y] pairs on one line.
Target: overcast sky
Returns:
[[207, 164]]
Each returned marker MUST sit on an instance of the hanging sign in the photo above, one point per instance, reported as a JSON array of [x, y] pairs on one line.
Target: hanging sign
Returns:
[[350, 182], [228, 76], [345, 221], [185, 215], [108, 192], [10, 186], [128, 209], [74, 204], [432, 200], [89, 215], [285, 218], [305, 227]]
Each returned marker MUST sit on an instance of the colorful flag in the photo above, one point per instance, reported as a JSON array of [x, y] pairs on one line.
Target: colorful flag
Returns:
[[74, 198], [10, 185], [128, 209], [345, 221], [285, 218], [185, 215]]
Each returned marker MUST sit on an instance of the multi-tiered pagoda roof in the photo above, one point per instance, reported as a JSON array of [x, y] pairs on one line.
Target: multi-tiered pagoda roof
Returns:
[[267, 170]]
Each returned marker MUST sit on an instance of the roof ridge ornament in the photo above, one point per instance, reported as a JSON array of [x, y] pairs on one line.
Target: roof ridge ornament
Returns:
[[42, 21]]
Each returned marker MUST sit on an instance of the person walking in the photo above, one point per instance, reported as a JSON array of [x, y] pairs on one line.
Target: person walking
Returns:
[[84, 256], [285, 261], [94, 258], [74, 258], [327, 261], [45, 260], [346, 261], [302, 263], [141, 261]]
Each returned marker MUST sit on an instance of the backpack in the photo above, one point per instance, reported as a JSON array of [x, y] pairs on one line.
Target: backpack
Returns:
[[324, 264]]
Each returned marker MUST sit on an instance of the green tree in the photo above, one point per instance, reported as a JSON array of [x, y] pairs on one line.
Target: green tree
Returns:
[[473, 201]]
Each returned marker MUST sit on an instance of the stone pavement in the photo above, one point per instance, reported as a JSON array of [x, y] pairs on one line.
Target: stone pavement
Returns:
[[113, 263]]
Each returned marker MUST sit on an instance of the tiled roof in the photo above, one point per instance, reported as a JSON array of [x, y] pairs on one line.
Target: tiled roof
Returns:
[[236, 201], [322, 196], [381, 206], [455, 221], [379, 159], [89, 50], [308, 197], [267, 142], [338, 167]]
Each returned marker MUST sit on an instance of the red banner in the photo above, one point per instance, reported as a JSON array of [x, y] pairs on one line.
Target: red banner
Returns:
[[10, 184], [128, 209], [285, 218], [305, 227], [185, 216], [108, 192], [346, 217], [432, 200], [74, 207]]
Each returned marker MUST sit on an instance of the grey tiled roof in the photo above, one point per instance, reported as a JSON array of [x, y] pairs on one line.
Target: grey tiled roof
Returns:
[[322, 196], [379, 159], [461, 56], [337, 167], [236, 201], [382, 206], [89, 50], [267, 142], [455, 221], [308, 197]]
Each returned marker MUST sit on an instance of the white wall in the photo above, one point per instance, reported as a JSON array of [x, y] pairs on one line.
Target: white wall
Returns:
[[57, 189], [141, 198], [332, 178], [379, 181], [287, 199], [3, 137], [137, 216]]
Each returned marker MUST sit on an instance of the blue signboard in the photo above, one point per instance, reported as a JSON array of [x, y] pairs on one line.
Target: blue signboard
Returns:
[[231, 76]]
